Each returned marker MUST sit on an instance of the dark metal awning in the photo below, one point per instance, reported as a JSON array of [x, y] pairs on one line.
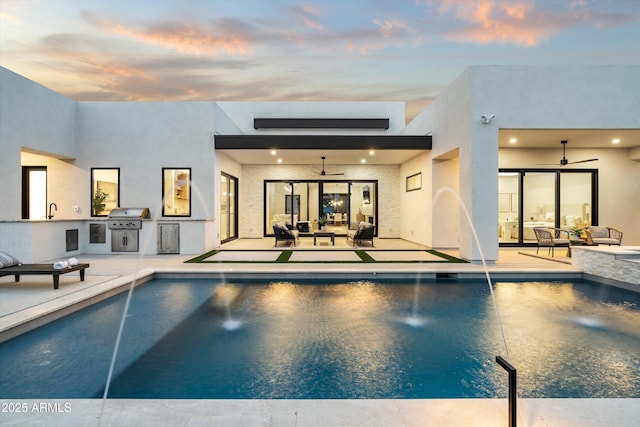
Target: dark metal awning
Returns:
[[322, 142], [314, 123]]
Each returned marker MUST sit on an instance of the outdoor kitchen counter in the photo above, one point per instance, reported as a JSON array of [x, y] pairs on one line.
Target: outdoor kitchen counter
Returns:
[[37, 241]]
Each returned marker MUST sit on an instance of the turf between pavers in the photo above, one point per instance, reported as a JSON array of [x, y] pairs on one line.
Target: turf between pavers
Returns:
[[285, 257]]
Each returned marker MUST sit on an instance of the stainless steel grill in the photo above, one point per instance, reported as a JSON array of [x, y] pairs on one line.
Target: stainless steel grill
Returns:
[[125, 225], [127, 218]]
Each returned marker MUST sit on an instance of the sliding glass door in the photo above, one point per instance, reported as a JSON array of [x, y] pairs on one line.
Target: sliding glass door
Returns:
[[529, 198], [306, 205]]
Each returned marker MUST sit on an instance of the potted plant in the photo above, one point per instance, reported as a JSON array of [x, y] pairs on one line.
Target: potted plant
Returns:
[[322, 222], [98, 201], [576, 232]]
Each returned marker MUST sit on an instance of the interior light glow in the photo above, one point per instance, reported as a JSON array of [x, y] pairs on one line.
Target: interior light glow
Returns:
[[273, 152], [279, 160], [615, 141], [513, 140], [372, 152], [363, 161]]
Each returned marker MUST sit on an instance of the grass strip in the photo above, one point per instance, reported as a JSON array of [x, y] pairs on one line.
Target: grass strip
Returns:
[[364, 256], [204, 256], [449, 258], [284, 256]]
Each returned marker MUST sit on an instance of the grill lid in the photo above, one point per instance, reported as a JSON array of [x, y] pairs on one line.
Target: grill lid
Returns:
[[129, 213]]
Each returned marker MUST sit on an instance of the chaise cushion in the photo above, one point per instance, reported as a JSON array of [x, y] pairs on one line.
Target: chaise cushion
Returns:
[[7, 260]]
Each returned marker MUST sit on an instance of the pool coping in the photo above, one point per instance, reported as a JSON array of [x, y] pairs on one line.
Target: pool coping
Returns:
[[312, 413]]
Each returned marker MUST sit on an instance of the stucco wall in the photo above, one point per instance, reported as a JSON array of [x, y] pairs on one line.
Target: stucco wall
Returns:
[[416, 223], [36, 118], [243, 113], [141, 138]]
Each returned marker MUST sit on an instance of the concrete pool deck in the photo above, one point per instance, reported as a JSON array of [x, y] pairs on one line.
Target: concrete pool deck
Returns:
[[34, 297]]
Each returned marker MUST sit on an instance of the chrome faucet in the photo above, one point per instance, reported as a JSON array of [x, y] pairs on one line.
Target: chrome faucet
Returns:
[[50, 216]]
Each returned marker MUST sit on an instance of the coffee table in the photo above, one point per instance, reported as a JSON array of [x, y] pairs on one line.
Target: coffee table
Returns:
[[331, 234]]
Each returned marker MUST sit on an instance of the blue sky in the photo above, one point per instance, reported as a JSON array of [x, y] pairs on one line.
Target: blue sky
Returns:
[[316, 50]]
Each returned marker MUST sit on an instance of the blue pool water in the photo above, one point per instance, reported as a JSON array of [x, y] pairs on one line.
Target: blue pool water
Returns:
[[237, 340]]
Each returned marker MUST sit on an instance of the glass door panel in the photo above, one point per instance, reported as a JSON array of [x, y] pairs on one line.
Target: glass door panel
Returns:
[[335, 206], [233, 219], [508, 206], [363, 200], [228, 208], [282, 205], [575, 200], [539, 203]]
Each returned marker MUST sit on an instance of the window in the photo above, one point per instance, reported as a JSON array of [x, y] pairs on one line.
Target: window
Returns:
[[105, 190], [176, 192], [34, 192]]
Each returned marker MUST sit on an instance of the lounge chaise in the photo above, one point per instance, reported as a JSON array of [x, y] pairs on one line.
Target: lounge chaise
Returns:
[[603, 235], [283, 234], [31, 269], [363, 233]]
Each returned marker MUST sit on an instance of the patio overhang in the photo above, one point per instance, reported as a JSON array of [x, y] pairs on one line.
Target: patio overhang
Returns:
[[323, 142]]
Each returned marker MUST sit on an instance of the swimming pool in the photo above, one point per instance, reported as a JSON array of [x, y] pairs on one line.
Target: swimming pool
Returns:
[[205, 339]]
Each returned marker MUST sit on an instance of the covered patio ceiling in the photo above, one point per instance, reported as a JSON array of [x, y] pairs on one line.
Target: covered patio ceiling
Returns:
[[526, 138]]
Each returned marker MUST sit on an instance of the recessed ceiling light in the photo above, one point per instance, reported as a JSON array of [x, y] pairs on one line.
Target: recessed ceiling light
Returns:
[[513, 140], [273, 152], [372, 152], [279, 160], [615, 141], [363, 161]]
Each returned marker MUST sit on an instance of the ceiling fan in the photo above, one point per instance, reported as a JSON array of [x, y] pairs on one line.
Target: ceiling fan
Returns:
[[563, 160], [323, 172]]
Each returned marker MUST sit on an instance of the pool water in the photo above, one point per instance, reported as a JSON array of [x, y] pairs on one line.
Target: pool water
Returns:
[[206, 339]]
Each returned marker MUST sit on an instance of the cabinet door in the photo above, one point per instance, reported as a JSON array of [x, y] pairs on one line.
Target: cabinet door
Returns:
[[124, 240], [168, 238]]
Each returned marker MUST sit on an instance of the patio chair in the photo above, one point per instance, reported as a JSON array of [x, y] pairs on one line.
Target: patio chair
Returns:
[[603, 236], [552, 238], [283, 234], [364, 232]]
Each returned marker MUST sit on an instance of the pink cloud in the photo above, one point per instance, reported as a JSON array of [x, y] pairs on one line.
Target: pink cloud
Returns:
[[194, 39], [309, 15], [492, 21]]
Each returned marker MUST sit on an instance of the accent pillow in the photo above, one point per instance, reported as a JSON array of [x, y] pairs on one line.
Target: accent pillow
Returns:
[[599, 232], [7, 260]]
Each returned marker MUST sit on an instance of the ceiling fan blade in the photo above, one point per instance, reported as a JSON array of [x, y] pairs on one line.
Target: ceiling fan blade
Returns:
[[323, 173], [583, 161]]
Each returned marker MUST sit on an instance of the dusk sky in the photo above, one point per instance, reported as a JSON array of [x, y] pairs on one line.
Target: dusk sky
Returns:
[[315, 50]]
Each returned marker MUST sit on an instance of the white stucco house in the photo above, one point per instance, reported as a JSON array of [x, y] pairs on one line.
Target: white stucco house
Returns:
[[213, 171]]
